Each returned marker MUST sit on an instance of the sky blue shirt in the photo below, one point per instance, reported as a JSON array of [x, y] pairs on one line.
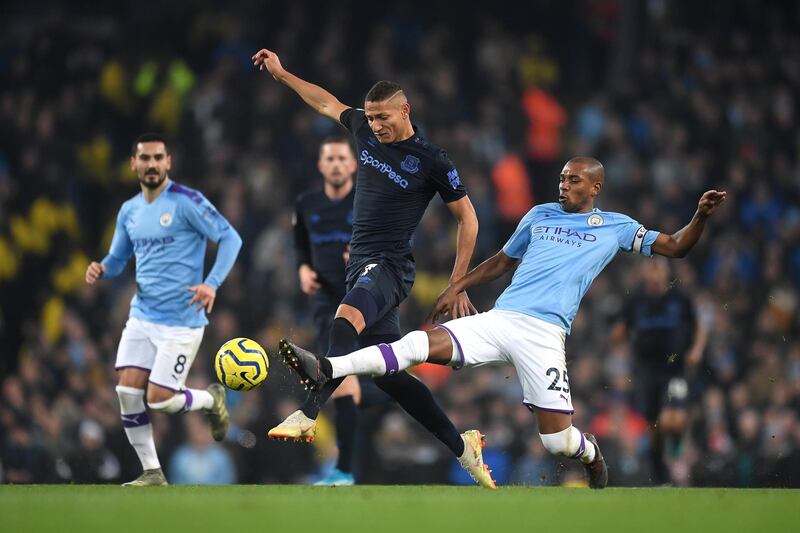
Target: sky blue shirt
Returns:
[[561, 255], [168, 238]]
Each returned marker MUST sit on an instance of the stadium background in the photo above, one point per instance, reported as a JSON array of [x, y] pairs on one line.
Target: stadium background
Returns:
[[673, 97]]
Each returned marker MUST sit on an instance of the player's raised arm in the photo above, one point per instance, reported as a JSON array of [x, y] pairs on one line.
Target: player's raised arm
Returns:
[[315, 96], [679, 243]]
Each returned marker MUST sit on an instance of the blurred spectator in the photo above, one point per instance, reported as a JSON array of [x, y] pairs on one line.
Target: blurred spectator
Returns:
[[92, 462], [201, 461]]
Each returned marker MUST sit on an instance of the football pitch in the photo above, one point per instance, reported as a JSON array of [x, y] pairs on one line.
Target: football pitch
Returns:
[[381, 509]]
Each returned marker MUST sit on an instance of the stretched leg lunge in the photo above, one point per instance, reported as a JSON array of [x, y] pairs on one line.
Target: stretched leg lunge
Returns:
[[437, 346], [388, 362]]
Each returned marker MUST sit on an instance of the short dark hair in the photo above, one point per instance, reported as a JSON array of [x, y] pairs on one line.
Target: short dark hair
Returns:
[[382, 90], [337, 139], [149, 138]]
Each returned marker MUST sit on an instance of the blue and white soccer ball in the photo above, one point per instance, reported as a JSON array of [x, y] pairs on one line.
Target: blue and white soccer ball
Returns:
[[241, 364]]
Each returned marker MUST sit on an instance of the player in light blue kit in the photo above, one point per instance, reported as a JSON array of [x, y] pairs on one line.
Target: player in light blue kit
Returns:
[[560, 248], [166, 227]]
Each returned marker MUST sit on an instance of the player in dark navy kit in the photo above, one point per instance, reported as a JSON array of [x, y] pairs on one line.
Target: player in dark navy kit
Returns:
[[399, 173], [323, 224], [667, 340]]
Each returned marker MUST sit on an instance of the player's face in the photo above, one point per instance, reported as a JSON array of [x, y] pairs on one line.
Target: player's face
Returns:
[[151, 164], [577, 189], [656, 276], [337, 164], [387, 119]]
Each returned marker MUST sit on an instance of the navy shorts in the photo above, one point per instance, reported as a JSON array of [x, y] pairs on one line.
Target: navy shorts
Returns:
[[388, 280]]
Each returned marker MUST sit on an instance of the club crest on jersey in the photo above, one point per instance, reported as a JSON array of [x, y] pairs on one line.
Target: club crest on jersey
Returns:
[[595, 220], [165, 219], [410, 164]]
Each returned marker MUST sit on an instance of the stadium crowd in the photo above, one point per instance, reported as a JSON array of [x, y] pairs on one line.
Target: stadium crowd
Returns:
[[674, 99]]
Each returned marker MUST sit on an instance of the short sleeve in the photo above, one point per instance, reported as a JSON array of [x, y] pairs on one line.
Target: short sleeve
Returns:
[[204, 217], [518, 243], [352, 119], [446, 179], [634, 237]]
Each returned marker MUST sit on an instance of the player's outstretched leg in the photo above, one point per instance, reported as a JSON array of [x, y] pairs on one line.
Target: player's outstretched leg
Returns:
[[217, 415]]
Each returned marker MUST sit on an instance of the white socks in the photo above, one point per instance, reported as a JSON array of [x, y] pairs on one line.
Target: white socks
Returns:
[[383, 359], [188, 400], [569, 443], [137, 425]]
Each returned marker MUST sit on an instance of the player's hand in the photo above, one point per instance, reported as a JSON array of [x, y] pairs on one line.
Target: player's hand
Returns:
[[693, 358], [204, 296], [453, 303], [710, 201], [309, 283], [462, 307], [267, 59], [94, 272]]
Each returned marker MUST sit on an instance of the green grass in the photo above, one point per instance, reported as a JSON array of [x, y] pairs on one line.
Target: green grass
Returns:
[[384, 509]]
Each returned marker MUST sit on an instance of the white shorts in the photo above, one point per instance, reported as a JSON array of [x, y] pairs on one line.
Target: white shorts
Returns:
[[534, 347], [167, 352]]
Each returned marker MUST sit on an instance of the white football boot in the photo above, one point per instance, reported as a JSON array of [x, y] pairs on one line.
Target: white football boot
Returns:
[[297, 427]]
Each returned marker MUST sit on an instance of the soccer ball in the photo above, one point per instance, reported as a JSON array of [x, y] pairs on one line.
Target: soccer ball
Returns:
[[241, 364]]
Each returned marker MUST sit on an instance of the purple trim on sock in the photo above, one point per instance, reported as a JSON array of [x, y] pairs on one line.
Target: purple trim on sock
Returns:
[[389, 358], [189, 399], [133, 366], [531, 407], [176, 391], [135, 420], [581, 449], [458, 347]]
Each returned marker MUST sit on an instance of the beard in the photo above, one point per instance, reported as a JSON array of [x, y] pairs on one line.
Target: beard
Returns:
[[337, 182], [152, 184]]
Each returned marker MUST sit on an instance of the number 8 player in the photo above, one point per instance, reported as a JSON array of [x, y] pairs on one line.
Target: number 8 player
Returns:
[[166, 227]]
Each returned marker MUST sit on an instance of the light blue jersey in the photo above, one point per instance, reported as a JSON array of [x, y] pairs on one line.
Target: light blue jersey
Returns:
[[168, 237], [561, 255]]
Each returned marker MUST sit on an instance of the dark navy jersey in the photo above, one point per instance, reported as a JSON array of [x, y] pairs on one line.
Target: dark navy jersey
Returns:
[[322, 229], [395, 184], [662, 329]]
